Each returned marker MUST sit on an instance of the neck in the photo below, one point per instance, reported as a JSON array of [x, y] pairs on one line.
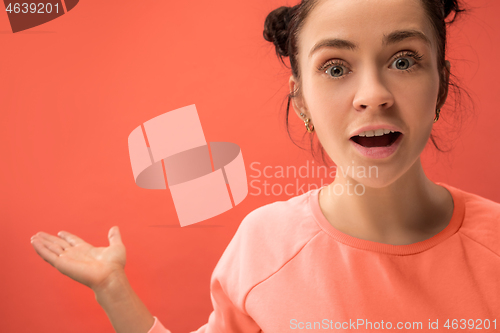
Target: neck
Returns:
[[409, 210]]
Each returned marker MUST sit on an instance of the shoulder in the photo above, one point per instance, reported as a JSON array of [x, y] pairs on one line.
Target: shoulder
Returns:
[[267, 238], [479, 205], [481, 221], [479, 210], [279, 226]]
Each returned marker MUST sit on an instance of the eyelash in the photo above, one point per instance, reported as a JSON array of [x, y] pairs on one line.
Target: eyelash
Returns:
[[412, 54]]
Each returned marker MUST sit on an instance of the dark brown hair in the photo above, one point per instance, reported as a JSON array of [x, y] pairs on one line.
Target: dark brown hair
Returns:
[[283, 25]]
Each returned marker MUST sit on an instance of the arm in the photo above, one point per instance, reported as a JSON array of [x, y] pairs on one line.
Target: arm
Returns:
[[123, 307], [102, 270]]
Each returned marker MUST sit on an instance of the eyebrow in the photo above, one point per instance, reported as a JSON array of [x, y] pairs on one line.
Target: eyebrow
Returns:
[[393, 38]]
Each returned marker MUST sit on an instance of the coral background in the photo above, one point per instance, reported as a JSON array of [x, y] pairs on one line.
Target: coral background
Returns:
[[73, 89]]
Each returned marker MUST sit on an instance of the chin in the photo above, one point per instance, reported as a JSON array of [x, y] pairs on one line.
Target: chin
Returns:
[[376, 177]]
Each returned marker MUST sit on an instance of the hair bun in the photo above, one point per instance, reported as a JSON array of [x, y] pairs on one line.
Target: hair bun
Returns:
[[452, 6], [276, 28]]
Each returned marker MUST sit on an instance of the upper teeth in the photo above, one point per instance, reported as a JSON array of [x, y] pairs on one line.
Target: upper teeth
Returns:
[[378, 132]]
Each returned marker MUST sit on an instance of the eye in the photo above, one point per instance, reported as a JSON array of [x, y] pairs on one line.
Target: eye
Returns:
[[336, 69], [407, 60], [403, 63]]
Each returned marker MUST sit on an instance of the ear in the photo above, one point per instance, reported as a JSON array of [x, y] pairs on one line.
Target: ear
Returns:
[[297, 101], [443, 90]]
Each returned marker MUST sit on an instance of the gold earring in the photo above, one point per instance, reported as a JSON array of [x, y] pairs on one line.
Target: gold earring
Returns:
[[437, 115], [309, 129], [306, 121]]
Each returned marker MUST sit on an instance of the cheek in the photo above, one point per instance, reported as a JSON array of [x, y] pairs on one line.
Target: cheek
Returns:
[[328, 102], [421, 107], [417, 104], [419, 94], [330, 110]]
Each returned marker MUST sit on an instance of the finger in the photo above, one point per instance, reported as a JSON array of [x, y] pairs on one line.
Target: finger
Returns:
[[54, 247], [70, 238], [61, 242], [43, 252], [114, 236]]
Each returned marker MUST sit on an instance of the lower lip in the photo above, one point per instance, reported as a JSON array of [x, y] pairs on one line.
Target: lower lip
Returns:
[[378, 152]]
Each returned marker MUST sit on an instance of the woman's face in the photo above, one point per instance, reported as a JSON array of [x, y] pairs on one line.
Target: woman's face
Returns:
[[377, 70]]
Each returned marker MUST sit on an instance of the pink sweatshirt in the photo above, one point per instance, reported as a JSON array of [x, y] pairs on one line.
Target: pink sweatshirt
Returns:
[[287, 269]]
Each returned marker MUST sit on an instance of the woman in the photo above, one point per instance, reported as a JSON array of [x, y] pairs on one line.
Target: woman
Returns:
[[384, 250]]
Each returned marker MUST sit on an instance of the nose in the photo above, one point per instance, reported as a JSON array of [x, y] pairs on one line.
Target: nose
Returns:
[[372, 93]]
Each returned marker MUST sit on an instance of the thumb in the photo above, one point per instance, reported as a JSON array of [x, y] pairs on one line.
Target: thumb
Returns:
[[114, 236]]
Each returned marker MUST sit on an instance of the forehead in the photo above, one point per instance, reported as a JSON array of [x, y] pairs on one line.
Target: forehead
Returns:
[[363, 22]]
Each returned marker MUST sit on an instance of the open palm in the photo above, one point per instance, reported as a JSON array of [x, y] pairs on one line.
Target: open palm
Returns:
[[89, 265]]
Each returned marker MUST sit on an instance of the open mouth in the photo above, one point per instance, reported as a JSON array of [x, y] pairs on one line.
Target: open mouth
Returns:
[[384, 140]]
